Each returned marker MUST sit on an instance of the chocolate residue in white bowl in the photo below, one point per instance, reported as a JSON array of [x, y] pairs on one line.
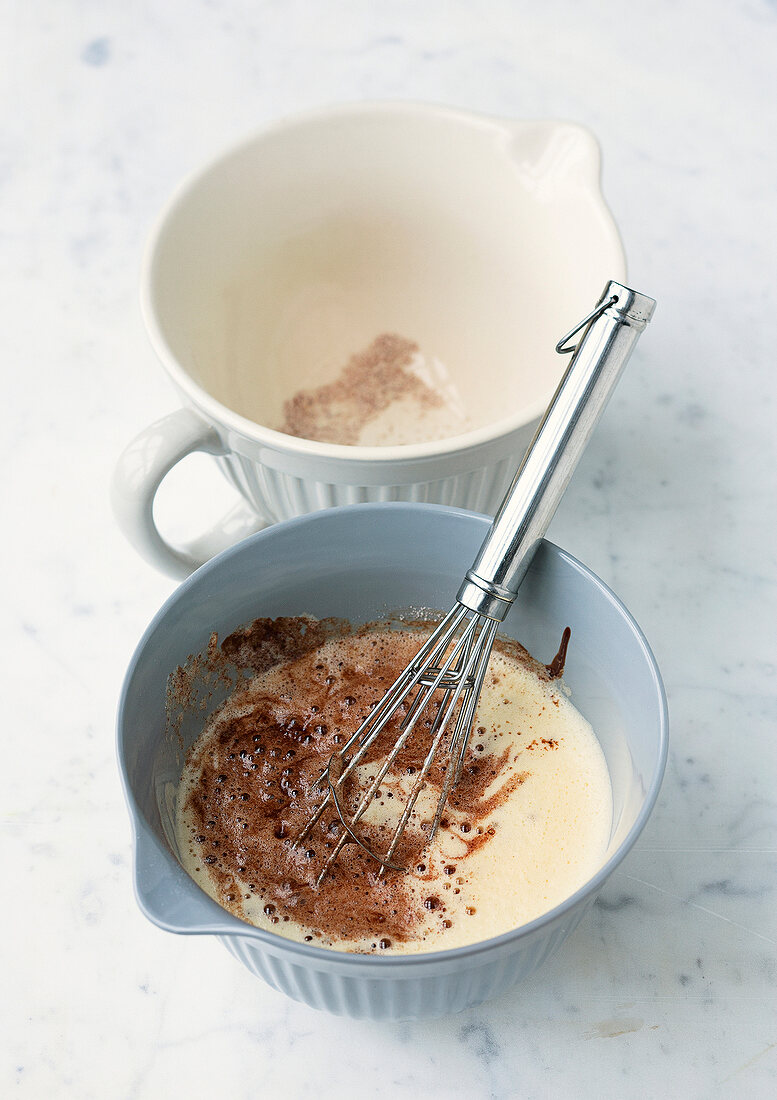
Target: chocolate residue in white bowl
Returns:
[[387, 394]]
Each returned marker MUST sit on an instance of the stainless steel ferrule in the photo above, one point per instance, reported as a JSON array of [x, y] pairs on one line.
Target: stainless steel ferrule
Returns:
[[610, 332]]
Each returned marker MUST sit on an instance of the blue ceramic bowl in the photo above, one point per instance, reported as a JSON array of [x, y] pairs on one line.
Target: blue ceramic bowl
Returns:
[[356, 562]]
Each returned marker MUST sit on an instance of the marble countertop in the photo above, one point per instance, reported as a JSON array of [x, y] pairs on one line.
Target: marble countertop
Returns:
[[669, 987]]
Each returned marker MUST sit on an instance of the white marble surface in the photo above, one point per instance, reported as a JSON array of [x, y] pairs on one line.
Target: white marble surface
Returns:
[[668, 988]]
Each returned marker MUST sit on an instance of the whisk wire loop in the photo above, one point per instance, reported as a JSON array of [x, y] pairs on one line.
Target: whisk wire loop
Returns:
[[459, 659], [471, 676], [377, 719]]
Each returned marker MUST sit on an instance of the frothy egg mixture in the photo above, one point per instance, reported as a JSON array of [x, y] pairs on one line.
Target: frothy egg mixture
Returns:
[[527, 825]]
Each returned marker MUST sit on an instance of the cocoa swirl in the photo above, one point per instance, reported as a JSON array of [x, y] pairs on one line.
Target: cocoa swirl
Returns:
[[257, 784]]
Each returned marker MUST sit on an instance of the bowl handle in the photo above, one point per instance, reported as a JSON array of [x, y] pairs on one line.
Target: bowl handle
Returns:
[[140, 471]]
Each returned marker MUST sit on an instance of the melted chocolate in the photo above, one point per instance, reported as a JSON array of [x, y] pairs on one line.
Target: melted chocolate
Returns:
[[556, 667], [265, 643], [258, 783]]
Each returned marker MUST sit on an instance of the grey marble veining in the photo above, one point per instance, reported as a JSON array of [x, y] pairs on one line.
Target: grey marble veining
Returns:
[[669, 986]]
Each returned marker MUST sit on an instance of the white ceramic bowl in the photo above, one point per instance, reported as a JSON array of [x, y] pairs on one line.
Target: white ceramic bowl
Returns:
[[358, 562], [482, 239]]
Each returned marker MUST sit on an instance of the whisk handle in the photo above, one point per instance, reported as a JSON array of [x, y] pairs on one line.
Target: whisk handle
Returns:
[[611, 331]]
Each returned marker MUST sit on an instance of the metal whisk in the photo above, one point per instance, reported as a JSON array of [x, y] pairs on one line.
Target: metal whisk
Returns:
[[454, 660]]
